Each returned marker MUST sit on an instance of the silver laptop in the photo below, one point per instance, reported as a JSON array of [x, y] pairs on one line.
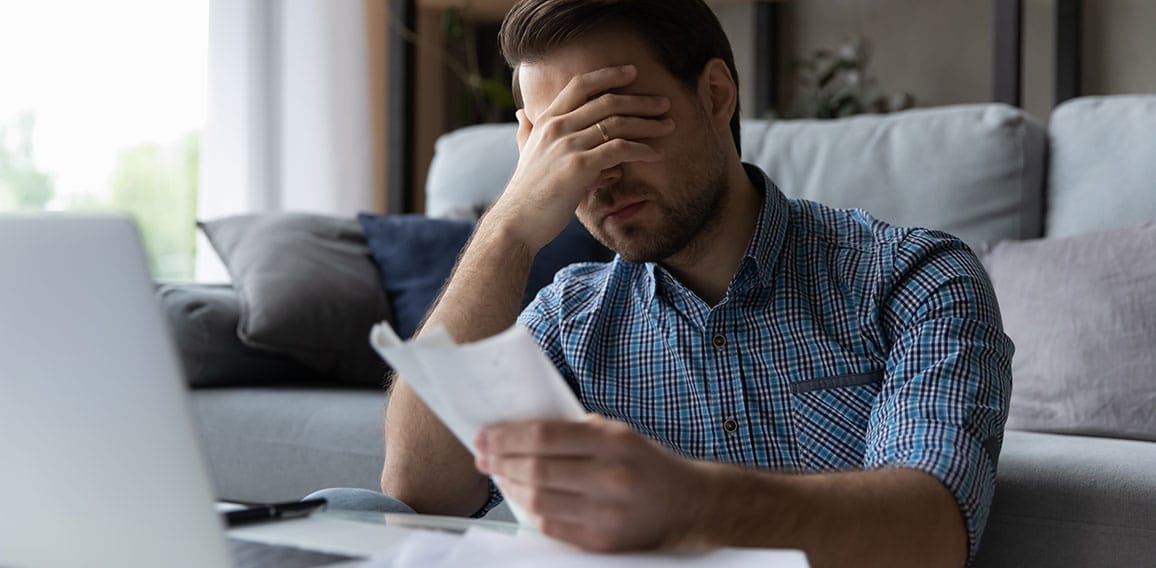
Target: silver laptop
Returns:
[[100, 466]]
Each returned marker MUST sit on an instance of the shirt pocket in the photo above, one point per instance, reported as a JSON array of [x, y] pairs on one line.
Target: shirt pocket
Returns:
[[830, 415]]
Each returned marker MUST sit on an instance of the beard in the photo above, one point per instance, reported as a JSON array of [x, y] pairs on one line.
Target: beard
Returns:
[[685, 212]]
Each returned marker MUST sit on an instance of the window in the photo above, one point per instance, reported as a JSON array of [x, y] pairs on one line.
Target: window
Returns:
[[101, 107]]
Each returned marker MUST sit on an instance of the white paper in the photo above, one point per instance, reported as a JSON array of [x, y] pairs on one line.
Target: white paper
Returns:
[[503, 378], [480, 548]]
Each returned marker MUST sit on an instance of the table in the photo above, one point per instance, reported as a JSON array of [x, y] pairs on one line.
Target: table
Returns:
[[377, 534], [361, 533]]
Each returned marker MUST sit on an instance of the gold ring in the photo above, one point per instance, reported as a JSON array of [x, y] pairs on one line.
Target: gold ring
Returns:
[[605, 137]]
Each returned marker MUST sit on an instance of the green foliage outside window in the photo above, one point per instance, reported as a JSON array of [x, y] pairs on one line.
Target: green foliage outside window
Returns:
[[23, 186], [155, 183]]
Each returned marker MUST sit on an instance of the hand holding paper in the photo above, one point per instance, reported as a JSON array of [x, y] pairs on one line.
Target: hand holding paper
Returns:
[[504, 378]]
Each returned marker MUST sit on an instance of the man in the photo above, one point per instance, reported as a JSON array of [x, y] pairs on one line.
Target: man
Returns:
[[759, 371]]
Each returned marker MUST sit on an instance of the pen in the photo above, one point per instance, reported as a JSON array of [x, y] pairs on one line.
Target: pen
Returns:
[[273, 512]]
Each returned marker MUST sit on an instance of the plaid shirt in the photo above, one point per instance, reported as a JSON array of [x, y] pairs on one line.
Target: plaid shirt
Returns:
[[843, 343]]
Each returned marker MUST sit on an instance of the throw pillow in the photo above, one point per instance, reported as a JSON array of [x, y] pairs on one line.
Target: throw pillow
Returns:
[[307, 289], [203, 320], [1082, 313], [415, 255]]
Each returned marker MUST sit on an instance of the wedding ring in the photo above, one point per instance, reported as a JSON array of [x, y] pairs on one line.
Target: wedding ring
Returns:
[[601, 129]]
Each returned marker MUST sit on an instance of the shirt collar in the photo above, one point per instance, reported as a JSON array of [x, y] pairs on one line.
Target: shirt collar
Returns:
[[766, 242], [771, 227]]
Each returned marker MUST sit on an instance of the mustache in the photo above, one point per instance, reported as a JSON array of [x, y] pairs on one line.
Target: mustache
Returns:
[[618, 192]]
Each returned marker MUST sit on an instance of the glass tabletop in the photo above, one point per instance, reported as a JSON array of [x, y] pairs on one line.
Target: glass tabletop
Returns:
[[456, 525]]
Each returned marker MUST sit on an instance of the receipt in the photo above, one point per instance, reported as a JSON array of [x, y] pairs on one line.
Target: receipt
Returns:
[[503, 378], [483, 548]]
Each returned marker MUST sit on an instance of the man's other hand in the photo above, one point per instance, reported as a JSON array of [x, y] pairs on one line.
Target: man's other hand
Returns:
[[573, 145], [596, 484]]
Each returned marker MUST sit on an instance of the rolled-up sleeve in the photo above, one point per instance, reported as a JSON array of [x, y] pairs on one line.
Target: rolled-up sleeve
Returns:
[[946, 390]]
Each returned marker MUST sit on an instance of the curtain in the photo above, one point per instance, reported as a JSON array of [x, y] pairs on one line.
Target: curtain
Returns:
[[288, 125]]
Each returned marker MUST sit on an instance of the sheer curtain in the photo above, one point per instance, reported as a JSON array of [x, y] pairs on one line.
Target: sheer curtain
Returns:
[[288, 125]]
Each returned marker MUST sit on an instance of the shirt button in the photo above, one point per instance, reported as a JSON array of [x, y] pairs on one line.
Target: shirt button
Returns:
[[719, 341], [730, 425]]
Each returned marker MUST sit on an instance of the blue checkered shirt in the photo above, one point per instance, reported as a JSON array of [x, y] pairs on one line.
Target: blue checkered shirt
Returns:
[[843, 343]]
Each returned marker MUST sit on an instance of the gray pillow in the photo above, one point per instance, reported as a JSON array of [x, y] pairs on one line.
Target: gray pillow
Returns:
[[1082, 313], [307, 287], [203, 320]]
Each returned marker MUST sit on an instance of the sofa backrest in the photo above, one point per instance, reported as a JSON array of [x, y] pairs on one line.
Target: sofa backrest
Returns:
[[975, 171], [1102, 165], [470, 168]]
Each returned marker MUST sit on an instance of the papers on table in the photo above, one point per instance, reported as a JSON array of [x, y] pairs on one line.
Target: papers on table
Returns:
[[504, 378], [481, 548]]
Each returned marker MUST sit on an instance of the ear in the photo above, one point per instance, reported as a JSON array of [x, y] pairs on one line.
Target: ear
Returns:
[[516, 87], [717, 90]]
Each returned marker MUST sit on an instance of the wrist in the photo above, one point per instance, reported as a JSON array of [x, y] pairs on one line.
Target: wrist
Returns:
[[508, 232], [505, 235], [737, 506], [707, 497]]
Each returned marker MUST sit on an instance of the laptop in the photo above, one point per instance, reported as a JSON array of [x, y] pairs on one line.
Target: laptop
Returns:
[[100, 466]]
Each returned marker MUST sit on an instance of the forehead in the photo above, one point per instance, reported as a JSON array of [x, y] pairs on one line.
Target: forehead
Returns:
[[542, 79]]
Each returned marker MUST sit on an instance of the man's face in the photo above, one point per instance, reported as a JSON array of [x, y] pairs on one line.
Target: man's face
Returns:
[[646, 212]]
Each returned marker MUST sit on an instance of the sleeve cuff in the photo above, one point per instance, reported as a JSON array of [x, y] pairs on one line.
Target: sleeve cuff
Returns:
[[494, 500], [966, 470]]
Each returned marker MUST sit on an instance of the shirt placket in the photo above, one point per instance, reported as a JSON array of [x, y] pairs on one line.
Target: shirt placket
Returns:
[[728, 419]]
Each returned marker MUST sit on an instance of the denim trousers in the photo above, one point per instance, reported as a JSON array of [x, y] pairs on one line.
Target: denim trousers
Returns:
[[349, 499]]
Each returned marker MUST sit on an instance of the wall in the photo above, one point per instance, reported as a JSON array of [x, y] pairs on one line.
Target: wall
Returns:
[[1120, 52], [941, 51]]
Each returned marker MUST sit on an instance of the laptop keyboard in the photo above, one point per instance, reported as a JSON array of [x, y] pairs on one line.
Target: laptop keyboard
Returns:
[[249, 554]]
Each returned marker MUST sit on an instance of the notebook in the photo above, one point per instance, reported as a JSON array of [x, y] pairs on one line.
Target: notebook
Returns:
[[101, 466]]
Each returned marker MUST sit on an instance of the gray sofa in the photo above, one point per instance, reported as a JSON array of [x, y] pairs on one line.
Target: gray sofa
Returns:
[[987, 173]]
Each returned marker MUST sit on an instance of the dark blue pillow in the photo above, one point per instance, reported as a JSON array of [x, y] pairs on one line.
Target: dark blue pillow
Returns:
[[573, 244], [415, 255]]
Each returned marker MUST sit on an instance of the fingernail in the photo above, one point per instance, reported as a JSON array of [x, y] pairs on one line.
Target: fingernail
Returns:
[[627, 68]]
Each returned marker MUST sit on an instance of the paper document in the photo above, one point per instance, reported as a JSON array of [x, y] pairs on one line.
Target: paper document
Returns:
[[504, 378], [481, 548]]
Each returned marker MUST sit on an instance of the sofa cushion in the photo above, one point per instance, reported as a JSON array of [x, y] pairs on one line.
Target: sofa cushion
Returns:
[[1103, 164], [1082, 314], [416, 254], [470, 167], [280, 444], [1071, 501], [272, 444], [203, 320], [975, 171], [307, 288]]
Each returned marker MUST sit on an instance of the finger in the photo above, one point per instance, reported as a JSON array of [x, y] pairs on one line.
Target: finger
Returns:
[[547, 504], [630, 128], [524, 128], [611, 104], [581, 534], [545, 438], [583, 87], [619, 151], [577, 475]]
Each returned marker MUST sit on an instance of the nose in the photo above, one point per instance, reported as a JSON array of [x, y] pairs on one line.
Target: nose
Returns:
[[609, 177]]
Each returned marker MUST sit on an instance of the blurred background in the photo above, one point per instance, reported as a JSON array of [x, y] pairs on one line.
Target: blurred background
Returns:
[[196, 109]]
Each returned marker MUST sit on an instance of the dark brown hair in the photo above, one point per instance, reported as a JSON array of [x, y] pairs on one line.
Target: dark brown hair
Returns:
[[684, 35]]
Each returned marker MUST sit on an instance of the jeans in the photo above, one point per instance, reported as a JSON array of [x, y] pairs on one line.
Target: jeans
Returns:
[[347, 499]]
